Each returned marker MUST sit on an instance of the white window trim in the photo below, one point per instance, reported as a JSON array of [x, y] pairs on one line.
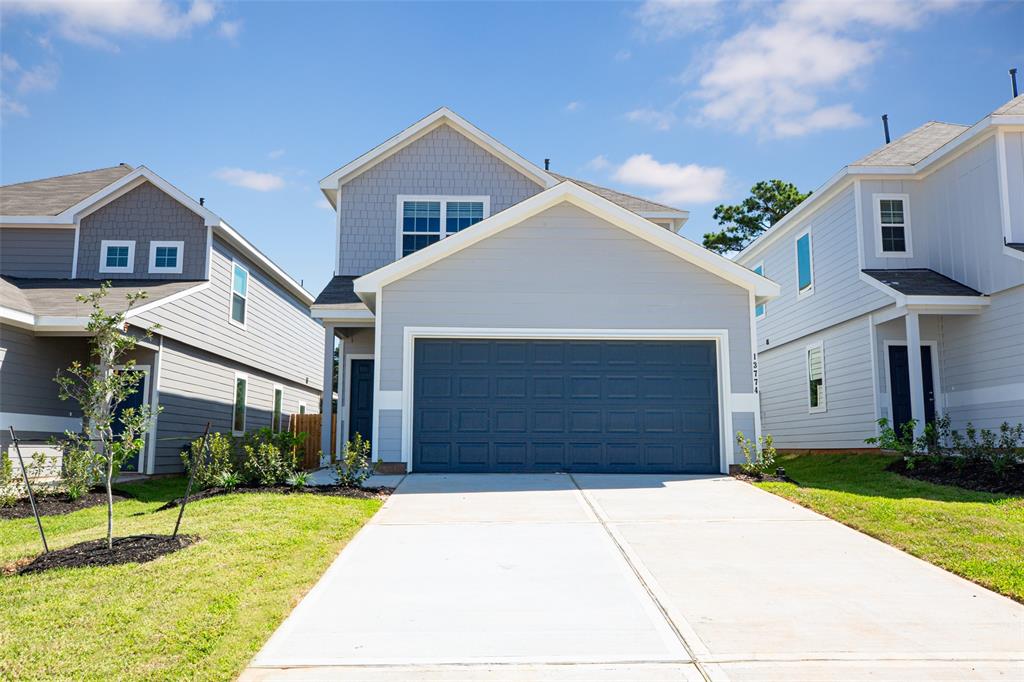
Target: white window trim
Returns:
[[823, 406], [273, 409], [176, 270], [234, 402], [302, 407], [764, 306], [796, 256], [443, 199], [877, 200], [231, 295], [117, 242]]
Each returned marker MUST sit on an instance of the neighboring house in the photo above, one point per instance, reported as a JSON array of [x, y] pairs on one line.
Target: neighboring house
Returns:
[[920, 244], [494, 316], [235, 345]]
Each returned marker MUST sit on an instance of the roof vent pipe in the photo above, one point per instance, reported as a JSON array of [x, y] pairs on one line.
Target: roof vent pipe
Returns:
[[1013, 81], [547, 162], [885, 124], [202, 201]]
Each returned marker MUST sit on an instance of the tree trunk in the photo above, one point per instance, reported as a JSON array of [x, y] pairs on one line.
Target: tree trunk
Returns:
[[107, 439]]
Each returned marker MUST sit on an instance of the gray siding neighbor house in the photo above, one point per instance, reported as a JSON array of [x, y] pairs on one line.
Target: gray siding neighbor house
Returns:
[[918, 245], [491, 315], [235, 346]]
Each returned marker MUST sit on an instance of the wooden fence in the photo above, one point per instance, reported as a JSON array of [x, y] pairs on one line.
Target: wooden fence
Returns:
[[310, 449]]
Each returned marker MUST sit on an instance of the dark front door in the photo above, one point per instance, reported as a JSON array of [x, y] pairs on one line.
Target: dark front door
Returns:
[[483, 405], [135, 400], [899, 383], [360, 410]]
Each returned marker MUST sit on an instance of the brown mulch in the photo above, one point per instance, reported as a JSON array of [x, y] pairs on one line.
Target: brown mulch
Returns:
[[330, 490], [132, 549], [762, 478], [49, 505], [970, 474]]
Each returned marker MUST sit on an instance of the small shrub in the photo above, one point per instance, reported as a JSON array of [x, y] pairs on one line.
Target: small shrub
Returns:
[[264, 464], [354, 466], [9, 487], [759, 458], [80, 471], [900, 440], [210, 466], [228, 480], [299, 479]]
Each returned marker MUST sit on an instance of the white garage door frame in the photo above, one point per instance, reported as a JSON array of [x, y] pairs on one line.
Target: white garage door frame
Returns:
[[719, 336]]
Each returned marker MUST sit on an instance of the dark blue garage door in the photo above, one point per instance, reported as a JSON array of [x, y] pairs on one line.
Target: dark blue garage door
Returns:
[[587, 406]]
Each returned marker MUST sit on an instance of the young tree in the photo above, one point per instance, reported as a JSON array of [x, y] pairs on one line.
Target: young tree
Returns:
[[741, 223], [100, 388]]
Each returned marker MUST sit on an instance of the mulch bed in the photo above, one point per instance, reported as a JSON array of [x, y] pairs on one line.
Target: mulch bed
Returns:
[[762, 478], [971, 474], [49, 505], [331, 490], [132, 549]]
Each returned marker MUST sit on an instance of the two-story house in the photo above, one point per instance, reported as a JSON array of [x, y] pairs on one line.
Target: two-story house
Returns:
[[495, 316], [235, 345], [919, 245]]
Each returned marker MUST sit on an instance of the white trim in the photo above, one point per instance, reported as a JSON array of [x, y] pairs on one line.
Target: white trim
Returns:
[[368, 285], [809, 291], [146, 307], [74, 255], [273, 409], [443, 116], [858, 212], [764, 306], [755, 369], [234, 402], [936, 384], [108, 243], [377, 327], [43, 423], [876, 202], [303, 407], [179, 257], [209, 251], [1013, 252], [441, 199], [347, 399], [155, 407], [719, 336], [339, 314], [823, 395], [232, 294], [744, 402], [1004, 187], [873, 335]]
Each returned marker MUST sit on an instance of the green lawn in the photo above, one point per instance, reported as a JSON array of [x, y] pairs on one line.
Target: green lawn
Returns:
[[979, 536], [200, 613]]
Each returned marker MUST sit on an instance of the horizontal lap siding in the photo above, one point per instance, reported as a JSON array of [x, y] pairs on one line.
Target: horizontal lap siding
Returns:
[[28, 365], [849, 417], [36, 252]]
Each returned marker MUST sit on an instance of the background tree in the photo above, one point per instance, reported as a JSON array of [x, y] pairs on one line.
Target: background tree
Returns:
[[100, 387], [741, 223]]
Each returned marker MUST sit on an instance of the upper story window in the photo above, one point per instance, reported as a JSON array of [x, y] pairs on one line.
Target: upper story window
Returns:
[[239, 293], [804, 265], [117, 255], [165, 257], [759, 310], [892, 225], [424, 220]]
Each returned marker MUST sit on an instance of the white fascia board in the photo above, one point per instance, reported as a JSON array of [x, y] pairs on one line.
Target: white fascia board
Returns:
[[229, 234], [367, 285], [18, 318], [948, 301], [330, 184], [341, 315], [34, 221], [665, 214], [146, 307]]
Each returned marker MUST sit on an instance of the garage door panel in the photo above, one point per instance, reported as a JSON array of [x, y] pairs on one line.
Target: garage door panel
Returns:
[[554, 405]]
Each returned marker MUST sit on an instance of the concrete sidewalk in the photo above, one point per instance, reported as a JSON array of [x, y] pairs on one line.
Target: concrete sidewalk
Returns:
[[564, 577]]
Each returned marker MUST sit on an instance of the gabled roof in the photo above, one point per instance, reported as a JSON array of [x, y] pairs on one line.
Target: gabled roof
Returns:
[[50, 196], [914, 146], [366, 286], [1015, 107], [443, 116], [644, 207]]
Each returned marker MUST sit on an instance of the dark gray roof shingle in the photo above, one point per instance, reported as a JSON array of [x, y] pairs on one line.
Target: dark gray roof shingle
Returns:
[[50, 196], [921, 282], [56, 297], [338, 291], [627, 201]]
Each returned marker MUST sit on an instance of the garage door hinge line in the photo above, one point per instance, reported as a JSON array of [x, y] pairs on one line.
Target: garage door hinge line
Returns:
[[647, 588]]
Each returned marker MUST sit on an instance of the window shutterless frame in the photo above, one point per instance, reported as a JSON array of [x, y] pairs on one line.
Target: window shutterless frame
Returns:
[[444, 201], [276, 423], [761, 309], [892, 222], [238, 301], [117, 256], [804, 252], [166, 257], [814, 360], [238, 403]]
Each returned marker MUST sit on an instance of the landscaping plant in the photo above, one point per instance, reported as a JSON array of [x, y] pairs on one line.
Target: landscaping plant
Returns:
[[759, 458], [299, 479], [80, 475], [263, 463], [354, 466], [99, 388], [8, 483], [212, 467]]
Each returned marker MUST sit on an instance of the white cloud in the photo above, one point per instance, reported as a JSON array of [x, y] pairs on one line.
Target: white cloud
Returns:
[[662, 19], [598, 163], [772, 76], [261, 182], [275, 154], [9, 64], [659, 120], [623, 55], [10, 107], [229, 30], [95, 23], [675, 184], [41, 77], [573, 106]]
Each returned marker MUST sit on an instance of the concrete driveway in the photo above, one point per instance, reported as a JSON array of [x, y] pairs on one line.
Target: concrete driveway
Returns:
[[586, 577]]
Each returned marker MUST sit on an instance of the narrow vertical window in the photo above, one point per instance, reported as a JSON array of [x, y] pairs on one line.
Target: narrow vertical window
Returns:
[[239, 293], [238, 415], [815, 378], [278, 399], [804, 265], [302, 408], [759, 310]]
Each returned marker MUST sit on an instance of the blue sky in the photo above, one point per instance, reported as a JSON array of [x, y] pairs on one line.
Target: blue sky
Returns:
[[250, 104]]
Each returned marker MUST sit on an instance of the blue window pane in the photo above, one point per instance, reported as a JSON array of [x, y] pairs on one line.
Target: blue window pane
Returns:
[[411, 243], [166, 257], [805, 277], [241, 281], [462, 214], [759, 309], [421, 216], [117, 256]]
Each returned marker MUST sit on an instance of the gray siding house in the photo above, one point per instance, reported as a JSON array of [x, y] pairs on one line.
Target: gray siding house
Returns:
[[918, 245], [494, 316], [235, 345]]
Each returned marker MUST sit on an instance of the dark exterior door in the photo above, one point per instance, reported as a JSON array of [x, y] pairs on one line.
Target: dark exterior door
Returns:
[[899, 385], [483, 405], [135, 400], [360, 409]]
